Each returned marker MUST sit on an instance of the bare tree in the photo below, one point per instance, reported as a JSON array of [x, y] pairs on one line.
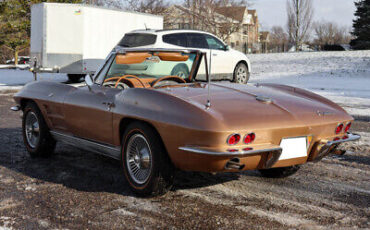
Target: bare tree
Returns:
[[148, 6], [145, 6], [300, 13], [329, 33], [214, 16], [278, 39]]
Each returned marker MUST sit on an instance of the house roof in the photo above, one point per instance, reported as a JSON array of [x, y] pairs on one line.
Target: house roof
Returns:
[[234, 12], [264, 35]]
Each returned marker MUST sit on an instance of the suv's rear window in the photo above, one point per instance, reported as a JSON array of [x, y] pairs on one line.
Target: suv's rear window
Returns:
[[136, 39], [178, 39]]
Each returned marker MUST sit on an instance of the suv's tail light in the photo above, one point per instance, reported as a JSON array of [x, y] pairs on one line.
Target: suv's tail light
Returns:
[[249, 138], [233, 139]]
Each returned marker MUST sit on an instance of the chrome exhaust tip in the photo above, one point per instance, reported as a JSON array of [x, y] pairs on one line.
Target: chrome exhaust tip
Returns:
[[15, 108], [234, 163]]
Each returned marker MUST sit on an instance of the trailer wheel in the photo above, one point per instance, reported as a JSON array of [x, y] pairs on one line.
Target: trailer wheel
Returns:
[[75, 78]]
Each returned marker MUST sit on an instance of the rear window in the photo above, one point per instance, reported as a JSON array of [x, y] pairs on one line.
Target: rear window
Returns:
[[197, 41], [175, 39], [135, 40]]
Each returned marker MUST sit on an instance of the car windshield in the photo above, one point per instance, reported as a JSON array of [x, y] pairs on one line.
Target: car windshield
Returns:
[[152, 64]]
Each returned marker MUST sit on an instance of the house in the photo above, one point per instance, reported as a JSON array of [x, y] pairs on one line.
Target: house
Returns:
[[236, 25], [264, 40]]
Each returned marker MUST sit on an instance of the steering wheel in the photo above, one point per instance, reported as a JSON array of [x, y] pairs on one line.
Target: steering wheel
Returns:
[[122, 78], [168, 78]]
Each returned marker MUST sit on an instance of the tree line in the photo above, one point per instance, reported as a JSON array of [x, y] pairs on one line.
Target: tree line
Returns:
[[301, 29]]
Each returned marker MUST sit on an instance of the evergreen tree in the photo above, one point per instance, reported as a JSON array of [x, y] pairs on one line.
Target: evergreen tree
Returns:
[[15, 23], [361, 26]]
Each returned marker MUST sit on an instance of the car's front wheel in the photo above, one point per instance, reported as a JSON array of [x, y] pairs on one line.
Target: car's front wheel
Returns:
[[145, 162], [241, 73], [279, 172], [36, 135]]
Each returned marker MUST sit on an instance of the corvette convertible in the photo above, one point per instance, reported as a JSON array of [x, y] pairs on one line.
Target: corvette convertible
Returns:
[[144, 110]]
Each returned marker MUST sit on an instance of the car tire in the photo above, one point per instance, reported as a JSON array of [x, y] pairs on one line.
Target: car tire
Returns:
[[36, 134], [75, 78], [279, 172], [241, 73], [145, 162], [180, 70]]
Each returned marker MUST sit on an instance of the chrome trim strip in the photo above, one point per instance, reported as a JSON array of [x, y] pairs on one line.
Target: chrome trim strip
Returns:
[[15, 108], [106, 150], [239, 153]]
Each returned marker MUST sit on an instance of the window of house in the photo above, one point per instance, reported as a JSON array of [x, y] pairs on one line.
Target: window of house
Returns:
[[237, 43], [178, 39], [232, 45], [214, 43]]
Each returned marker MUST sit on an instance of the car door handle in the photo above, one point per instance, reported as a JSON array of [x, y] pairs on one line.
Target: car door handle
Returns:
[[214, 54]]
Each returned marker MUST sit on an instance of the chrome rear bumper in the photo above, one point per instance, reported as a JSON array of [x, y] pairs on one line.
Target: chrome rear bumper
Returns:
[[274, 150], [327, 147]]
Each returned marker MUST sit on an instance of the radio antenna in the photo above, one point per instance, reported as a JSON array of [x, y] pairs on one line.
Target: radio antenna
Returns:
[[208, 72], [146, 28]]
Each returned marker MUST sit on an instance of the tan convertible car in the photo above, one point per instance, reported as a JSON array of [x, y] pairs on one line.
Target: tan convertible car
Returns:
[[144, 109]]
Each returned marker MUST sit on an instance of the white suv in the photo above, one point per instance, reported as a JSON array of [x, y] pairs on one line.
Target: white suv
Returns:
[[226, 63]]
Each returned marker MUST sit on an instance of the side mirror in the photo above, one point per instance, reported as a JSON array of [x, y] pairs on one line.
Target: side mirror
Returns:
[[227, 48], [89, 81]]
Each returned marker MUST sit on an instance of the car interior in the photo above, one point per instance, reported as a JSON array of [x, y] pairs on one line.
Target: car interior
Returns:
[[147, 69]]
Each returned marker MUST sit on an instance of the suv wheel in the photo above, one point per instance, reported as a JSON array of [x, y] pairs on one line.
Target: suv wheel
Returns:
[[241, 74]]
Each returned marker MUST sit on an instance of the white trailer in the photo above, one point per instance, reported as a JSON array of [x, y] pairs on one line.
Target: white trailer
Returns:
[[75, 39]]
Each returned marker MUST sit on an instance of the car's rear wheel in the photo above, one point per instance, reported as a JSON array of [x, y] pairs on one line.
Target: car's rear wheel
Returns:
[[145, 162], [36, 135], [241, 73], [279, 172], [75, 78]]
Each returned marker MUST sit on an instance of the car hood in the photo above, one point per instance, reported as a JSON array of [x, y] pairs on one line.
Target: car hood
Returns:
[[258, 106]]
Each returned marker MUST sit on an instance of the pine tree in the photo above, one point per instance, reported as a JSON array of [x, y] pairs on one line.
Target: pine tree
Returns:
[[15, 23], [361, 26]]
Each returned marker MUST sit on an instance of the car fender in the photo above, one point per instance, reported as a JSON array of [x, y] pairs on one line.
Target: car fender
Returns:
[[238, 57]]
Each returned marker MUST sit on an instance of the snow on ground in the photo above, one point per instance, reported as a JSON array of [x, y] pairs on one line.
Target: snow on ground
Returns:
[[343, 77], [14, 79]]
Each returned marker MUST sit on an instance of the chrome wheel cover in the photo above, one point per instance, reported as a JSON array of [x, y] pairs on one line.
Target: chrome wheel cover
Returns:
[[32, 129], [138, 158], [241, 74]]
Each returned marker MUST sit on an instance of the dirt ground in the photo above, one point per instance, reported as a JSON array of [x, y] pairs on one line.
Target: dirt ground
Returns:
[[80, 190]]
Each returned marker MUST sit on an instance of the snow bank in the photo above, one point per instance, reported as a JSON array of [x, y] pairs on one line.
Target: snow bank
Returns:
[[343, 77], [14, 79]]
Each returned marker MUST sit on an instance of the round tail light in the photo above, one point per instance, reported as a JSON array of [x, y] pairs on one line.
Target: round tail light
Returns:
[[338, 129], [249, 138], [348, 126], [233, 139]]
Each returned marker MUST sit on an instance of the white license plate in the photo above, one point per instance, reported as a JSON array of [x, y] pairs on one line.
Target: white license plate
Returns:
[[293, 148]]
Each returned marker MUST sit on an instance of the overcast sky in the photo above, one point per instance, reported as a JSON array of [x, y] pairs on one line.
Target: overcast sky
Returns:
[[273, 12]]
